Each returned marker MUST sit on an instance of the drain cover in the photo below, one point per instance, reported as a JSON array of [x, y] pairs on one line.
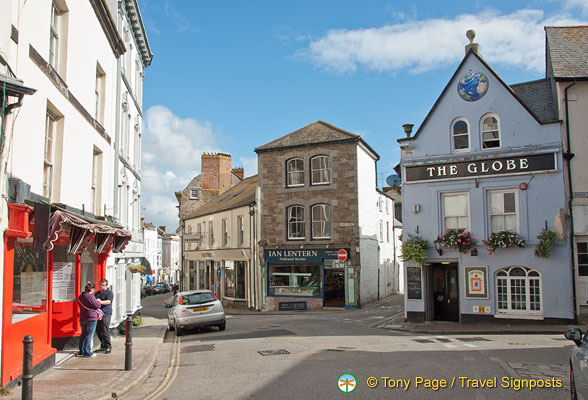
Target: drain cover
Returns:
[[197, 348], [273, 352], [473, 339]]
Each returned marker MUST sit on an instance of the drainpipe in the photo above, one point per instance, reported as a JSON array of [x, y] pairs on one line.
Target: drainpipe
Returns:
[[568, 155]]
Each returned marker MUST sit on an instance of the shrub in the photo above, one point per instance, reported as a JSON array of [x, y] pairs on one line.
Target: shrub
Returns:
[[414, 248], [546, 242]]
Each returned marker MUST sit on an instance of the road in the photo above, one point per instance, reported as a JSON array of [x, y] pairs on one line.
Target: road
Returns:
[[302, 356]]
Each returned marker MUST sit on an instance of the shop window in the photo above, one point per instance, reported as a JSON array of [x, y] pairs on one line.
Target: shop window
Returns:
[[321, 221], [29, 290], [456, 211], [490, 132], [518, 291], [503, 210], [461, 135], [320, 173], [296, 222], [582, 251], [235, 279], [295, 280], [295, 172], [64, 274]]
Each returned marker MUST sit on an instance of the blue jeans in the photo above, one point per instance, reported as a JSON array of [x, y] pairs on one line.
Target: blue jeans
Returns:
[[88, 329]]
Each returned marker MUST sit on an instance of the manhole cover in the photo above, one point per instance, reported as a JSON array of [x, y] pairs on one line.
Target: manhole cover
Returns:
[[273, 352], [473, 339], [423, 340], [200, 347]]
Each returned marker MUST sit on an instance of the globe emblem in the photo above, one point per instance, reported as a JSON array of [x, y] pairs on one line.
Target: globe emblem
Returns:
[[472, 86]]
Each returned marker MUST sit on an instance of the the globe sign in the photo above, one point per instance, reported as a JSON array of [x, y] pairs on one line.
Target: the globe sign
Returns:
[[472, 86]]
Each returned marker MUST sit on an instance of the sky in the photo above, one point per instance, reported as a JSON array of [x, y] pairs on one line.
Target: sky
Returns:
[[230, 76]]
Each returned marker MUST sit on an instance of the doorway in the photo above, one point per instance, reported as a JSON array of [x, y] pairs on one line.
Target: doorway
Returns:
[[445, 293], [334, 284]]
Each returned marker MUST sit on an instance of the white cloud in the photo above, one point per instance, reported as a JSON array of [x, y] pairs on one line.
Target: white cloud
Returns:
[[515, 40], [249, 165], [172, 148]]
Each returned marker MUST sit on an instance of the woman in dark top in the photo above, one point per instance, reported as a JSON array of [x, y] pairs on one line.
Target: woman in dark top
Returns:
[[89, 307]]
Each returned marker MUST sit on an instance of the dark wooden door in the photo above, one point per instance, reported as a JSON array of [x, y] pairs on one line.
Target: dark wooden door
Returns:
[[446, 292]]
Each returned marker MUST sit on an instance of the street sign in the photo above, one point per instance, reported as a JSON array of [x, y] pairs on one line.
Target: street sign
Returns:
[[342, 255], [218, 272]]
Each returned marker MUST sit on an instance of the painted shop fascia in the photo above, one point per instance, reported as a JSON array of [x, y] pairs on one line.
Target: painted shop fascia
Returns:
[[509, 167]]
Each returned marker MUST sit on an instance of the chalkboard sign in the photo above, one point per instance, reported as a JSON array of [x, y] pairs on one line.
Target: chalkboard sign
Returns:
[[292, 305], [413, 280]]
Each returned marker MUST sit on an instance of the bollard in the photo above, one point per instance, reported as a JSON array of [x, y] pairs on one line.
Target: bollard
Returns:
[[27, 368], [129, 345]]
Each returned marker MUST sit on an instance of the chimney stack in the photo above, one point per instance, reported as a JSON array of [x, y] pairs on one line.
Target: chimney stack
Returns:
[[216, 172], [239, 172], [471, 34]]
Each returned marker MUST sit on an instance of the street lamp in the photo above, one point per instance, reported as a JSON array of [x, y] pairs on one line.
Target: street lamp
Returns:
[[438, 246]]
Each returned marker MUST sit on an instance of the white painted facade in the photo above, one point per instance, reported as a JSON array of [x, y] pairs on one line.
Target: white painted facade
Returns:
[[151, 239], [171, 258]]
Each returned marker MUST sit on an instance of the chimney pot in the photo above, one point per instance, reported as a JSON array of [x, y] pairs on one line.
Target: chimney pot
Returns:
[[471, 34]]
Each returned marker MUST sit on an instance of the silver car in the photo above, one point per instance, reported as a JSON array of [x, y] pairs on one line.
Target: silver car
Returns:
[[194, 309], [578, 364]]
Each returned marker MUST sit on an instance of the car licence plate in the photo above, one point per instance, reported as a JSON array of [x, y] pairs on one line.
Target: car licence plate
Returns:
[[200, 309]]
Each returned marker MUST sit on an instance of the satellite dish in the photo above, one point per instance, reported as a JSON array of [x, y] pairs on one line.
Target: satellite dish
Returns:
[[393, 180]]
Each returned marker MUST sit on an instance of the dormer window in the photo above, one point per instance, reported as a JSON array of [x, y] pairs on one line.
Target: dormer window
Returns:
[[490, 132], [461, 135], [295, 172]]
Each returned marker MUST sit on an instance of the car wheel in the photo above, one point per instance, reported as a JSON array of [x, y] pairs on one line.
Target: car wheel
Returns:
[[179, 332], [170, 326], [221, 327], [574, 396]]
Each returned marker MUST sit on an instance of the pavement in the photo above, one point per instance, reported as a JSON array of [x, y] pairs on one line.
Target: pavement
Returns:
[[104, 377]]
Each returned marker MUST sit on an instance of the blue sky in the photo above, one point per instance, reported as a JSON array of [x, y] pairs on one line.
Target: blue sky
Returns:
[[229, 76]]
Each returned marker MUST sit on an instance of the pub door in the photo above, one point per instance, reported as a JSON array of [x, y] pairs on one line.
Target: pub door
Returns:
[[445, 292], [334, 284]]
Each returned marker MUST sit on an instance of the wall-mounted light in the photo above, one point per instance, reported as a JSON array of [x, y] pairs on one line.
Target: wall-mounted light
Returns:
[[416, 208], [474, 252], [438, 246]]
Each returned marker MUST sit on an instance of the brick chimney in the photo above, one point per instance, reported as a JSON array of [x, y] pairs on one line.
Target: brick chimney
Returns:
[[216, 172], [239, 172]]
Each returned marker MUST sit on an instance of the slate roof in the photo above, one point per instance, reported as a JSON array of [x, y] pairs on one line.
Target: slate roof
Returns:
[[239, 195], [317, 133], [566, 51], [538, 97]]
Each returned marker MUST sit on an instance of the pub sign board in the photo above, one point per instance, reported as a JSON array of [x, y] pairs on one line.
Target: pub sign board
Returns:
[[482, 168]]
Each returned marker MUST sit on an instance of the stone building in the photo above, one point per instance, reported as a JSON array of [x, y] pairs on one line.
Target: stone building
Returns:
[[320, 220]]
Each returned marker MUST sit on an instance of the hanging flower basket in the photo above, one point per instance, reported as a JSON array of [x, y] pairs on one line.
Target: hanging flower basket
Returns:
[[414, 248], [460, 240], [136, 268], [546, 241], [503, 239]]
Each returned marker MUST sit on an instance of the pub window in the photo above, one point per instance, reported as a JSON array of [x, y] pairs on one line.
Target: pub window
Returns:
[[503, 210], [490, 132], [456, 211], [518, 291], [295, 172], [320, 170], [295, 280], [461, 135], [582, 251], [296, 222], [321, 221]]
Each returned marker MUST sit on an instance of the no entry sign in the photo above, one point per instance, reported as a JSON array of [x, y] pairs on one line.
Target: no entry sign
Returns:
[[342, 255]]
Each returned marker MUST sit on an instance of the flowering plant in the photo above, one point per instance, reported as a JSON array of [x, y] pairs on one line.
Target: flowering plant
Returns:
[[503, 239], [134, 268], [460, 240], [414, 248]]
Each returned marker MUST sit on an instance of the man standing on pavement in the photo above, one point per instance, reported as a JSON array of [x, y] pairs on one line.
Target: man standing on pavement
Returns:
[[105, 298]]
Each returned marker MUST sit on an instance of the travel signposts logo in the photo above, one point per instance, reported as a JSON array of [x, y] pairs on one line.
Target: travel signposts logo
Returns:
[[346, 383]]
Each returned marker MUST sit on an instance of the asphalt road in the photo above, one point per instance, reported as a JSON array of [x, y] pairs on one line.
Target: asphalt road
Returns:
[[303, 356]]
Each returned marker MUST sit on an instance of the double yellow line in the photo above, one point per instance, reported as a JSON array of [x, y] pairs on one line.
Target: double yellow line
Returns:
[[172, 371]]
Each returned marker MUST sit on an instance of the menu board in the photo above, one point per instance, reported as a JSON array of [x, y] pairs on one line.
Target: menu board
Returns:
[[413, 281], [63, 281]]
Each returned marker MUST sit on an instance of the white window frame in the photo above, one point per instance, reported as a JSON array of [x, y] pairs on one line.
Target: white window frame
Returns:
[[381, 232], [225, 227], [584, 261], [324, 168], [194, 194], [240, 230], [499, 139], [210, 233], [54, 36], [454, 136], [49, 154], [503, 214], [324, 231], [294, 220], [444, 216], [293, 174], [510, 304]]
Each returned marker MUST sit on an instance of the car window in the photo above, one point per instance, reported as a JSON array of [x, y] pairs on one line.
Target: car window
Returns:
[[198, 298]]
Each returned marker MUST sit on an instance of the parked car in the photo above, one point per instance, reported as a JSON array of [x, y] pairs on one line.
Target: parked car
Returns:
[[159, 288], [168, 288], [148, 289], [578, 364], [194, 309]]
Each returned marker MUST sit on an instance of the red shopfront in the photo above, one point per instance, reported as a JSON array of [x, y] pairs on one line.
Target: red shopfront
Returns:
[[75, 251]]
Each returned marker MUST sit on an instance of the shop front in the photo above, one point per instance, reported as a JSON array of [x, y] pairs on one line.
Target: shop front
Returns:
[[49, 255], [306, 279]]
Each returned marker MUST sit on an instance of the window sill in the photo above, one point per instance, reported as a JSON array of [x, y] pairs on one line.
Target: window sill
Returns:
[[294, 186], [516, 315], [320, 183]]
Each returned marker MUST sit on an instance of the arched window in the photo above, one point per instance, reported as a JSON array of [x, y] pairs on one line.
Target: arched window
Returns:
[[320, 172], [518, 291], [461, 135], [490, 132], [295, 172], [321, 221], [296, 222]]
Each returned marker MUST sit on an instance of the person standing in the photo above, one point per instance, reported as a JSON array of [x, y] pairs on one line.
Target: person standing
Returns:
[[89, 307], [105, 297]]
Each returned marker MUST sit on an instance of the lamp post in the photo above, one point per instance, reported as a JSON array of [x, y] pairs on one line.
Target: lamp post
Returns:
[[438, 246]]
